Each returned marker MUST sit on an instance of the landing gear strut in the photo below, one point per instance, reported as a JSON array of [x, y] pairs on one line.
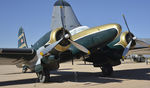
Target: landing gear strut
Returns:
[[107, 70], [43, 76]]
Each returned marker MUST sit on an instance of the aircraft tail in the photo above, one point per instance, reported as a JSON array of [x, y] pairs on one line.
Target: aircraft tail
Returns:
[[22, 39], [71, 20]]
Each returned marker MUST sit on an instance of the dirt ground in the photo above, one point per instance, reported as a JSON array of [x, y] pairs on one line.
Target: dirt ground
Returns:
[[126, 75]]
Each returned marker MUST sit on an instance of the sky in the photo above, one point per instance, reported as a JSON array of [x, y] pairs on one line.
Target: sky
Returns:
[[35, 17]]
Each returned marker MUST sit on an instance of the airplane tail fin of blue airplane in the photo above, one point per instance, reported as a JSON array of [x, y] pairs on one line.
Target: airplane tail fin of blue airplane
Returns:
[[22, 39]]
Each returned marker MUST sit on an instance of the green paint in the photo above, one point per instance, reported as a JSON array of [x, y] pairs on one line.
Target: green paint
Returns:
[[97, 39], [38, 68], [113, 46], [42, 41]]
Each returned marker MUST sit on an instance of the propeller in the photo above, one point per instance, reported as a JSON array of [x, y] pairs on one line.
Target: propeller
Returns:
[[126, 50]]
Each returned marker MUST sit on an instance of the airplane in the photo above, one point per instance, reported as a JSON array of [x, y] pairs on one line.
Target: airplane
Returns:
[[104, 45]]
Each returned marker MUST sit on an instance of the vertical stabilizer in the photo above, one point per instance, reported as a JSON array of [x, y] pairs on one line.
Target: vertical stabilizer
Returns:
[[22, 39], [70, 18]]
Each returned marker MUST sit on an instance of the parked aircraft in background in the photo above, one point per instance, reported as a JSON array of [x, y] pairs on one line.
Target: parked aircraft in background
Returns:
[[105, 45]]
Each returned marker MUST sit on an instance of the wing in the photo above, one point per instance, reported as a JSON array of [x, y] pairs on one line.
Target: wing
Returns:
[[142, 47], [13, 56], [141, 50]]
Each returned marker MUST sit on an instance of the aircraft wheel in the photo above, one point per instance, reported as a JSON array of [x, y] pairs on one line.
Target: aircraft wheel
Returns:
[[107, 70], [24, 69], [43, 76]]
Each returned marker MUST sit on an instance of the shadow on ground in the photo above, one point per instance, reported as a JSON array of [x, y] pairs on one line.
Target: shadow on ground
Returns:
[[95, 77]]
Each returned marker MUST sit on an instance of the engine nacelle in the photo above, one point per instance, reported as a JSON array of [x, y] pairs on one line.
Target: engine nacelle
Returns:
[[122, 41], [56, 35]]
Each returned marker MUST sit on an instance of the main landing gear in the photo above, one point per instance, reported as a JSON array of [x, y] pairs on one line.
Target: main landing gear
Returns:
[[107, 70], [24, 69], [43, 76]]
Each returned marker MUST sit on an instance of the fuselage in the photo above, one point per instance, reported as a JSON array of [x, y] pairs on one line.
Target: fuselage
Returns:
[[88, 37]]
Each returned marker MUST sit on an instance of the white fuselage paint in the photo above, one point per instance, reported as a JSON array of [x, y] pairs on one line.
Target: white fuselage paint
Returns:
[[78, 29]]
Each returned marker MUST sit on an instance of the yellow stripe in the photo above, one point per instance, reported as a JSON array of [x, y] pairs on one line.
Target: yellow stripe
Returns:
[[97, 29], [123, 41], [23, 45], [21, 36]]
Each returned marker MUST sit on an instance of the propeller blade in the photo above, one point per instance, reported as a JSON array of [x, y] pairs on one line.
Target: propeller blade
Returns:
[[126, 23], [50, 47], [80, 47], [142, 43], [39, 60], [126, 50], [39, 56]]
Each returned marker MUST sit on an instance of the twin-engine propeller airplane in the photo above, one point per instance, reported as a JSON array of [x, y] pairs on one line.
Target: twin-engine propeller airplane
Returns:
[[105, 45]]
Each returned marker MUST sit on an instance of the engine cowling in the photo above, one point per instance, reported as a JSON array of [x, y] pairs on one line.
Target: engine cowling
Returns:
[[56, 35], [122, 41], [125, 38]]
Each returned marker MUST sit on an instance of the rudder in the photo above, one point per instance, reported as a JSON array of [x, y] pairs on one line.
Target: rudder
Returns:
[[22, 39]]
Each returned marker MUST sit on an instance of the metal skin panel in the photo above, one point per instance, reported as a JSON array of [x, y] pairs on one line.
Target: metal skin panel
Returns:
[[42, 41], [71, 20], [113, 46], [120, 42], [97, 29], [95, 40]]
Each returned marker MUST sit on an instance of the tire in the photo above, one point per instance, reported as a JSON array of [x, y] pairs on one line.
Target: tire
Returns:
[[107, 70], [24, 70], [43, 76]]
